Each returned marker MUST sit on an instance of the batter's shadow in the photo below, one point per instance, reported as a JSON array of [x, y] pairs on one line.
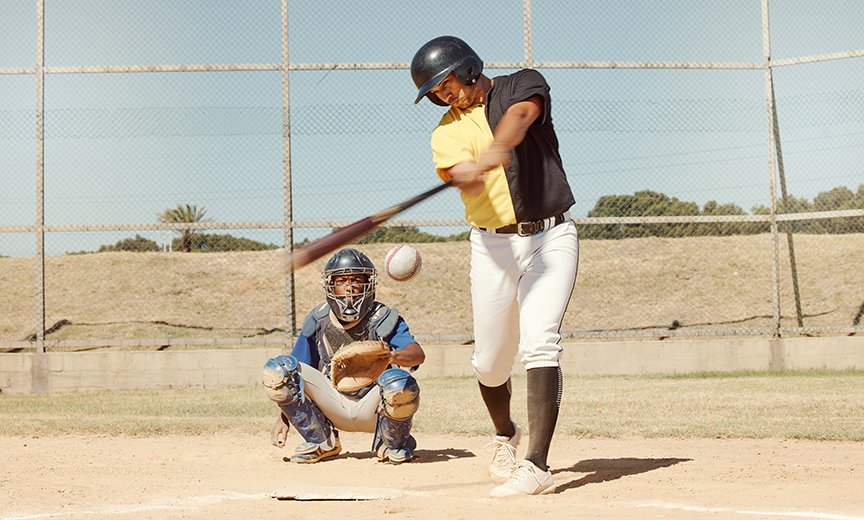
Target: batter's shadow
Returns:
[[604, 470], [421, 456]]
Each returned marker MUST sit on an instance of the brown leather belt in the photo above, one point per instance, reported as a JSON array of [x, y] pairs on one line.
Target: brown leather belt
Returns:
[[525, 229]]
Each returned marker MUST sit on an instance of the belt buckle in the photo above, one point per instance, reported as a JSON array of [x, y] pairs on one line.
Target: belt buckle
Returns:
[[522, 226]]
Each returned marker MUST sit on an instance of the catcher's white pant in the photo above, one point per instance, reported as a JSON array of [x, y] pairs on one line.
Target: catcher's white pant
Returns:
[[520, 287], [345, 414]]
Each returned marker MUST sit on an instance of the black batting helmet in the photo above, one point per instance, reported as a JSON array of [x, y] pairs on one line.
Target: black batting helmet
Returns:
[[355, 306], [438, 58]]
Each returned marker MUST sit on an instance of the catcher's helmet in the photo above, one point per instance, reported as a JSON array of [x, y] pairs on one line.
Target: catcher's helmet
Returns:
[[438, 58], [355, 306]]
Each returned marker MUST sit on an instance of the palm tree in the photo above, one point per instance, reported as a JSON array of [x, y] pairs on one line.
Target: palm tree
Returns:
[[183, 213]]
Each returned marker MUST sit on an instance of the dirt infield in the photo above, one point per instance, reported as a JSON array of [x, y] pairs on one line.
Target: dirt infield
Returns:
[[230, 477]]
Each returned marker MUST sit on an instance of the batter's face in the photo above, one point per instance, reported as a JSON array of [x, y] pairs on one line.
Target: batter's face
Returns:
[[455, 93]]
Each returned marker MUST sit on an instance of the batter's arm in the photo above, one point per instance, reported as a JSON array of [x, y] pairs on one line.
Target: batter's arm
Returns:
[[470, 175], [511, 130]]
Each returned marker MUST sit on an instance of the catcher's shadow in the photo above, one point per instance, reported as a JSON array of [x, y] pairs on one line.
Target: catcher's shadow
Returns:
[[420, 456], [604, 470]]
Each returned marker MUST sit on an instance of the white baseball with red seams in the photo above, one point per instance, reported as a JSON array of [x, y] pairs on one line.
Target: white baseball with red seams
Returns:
[[402, 263]]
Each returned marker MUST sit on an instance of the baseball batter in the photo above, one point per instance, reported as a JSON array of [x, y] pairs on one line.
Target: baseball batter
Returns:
[[498, 145], [300, 384]]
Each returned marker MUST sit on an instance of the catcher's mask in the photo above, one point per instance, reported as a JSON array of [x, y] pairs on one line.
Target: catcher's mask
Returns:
[[438, 58], [353, 305]]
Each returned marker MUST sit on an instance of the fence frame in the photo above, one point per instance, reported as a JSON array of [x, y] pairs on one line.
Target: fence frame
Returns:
[[775, 172]]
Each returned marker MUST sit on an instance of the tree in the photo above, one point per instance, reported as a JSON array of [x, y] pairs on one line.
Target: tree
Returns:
[[209, 242], [397, 234], [183, 213], [712, 208], [833, 200], [838, 199], [138, 244], [644, 203], [792, 204]]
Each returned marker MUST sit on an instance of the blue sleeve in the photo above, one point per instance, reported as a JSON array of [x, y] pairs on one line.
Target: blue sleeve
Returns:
[[305, 351], [401, 336]]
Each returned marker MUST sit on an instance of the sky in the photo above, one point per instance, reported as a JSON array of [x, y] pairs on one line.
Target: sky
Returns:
[[121, 148]]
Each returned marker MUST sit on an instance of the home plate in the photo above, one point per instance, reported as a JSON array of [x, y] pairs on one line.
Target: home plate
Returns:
[[337, 493]]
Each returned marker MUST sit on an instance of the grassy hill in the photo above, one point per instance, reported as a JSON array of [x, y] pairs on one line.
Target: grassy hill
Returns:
[[649, 284]]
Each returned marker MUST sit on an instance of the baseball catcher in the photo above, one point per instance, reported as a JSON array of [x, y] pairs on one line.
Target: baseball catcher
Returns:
[[350, 370]]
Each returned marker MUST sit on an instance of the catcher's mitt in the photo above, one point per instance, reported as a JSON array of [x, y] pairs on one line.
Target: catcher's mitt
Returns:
[[357, 364]]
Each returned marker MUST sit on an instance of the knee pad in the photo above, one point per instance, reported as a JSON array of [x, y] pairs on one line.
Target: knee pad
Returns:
[[282, 380], [400, 394]]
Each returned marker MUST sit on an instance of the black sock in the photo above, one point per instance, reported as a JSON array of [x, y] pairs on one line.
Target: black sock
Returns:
[[545, 386], [497, 399]]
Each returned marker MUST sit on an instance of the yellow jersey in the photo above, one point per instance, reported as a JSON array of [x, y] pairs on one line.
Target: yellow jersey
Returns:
[[461, 136]]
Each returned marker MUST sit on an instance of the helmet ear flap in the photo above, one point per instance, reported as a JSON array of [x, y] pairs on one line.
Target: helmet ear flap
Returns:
[[470, 70]]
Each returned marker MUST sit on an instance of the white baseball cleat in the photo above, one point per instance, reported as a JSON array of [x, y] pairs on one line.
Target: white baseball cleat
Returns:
[[504, 459], [526, 479]]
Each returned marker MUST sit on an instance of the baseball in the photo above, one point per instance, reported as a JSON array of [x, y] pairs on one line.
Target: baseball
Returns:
[[402, 263]]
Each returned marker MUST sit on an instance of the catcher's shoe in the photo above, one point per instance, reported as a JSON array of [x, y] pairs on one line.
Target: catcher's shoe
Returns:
[[526, 479], [504, 459], [398, 455], [309, 452]]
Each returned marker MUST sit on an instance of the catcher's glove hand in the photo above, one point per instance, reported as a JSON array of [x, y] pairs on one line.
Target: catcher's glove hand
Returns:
[[357, 364]]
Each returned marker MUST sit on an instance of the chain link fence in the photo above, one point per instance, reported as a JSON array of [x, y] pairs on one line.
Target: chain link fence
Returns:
[[159, 158]]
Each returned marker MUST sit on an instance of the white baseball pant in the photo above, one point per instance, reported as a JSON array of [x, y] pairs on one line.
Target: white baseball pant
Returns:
[[346, 414], [520, 288]]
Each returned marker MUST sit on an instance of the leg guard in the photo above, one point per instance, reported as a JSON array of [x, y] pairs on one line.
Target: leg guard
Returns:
[[400, 398], [281, 379], [284, 385], [400, 394]]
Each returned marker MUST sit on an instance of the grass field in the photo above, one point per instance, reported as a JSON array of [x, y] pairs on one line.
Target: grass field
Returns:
[[820, 405]]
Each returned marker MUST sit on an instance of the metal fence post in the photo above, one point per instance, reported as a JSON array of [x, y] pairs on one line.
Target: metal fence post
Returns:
[[286, 171], [769, 103], [39, 379]]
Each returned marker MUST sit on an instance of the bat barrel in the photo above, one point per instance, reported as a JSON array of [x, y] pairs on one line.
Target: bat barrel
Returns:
[[344, 235]]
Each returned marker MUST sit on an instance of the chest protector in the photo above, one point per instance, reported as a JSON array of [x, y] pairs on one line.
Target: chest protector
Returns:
[[379, 323]]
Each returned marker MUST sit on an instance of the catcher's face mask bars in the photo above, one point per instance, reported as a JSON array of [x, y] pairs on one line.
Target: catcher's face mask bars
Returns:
[[350, 292]]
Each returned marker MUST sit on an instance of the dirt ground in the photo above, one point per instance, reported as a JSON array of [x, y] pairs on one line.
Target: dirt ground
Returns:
[[229, 477]]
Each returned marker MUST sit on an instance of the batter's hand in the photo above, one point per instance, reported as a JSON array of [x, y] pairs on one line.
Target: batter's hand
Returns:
[[469, 176], [495, 155], [279, 432]]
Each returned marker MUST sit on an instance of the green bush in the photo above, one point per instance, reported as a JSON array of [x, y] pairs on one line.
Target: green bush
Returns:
[[138, 244], [205, 242]]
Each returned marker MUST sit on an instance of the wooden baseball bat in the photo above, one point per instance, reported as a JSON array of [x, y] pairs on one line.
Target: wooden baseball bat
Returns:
[[344, 235]]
